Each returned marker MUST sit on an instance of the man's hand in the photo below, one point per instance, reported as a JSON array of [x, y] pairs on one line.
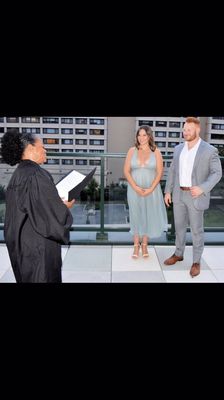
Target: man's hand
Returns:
[[196, 191], [167, 199]]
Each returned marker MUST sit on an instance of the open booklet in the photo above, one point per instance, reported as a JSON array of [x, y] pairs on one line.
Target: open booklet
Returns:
[[72, 184]]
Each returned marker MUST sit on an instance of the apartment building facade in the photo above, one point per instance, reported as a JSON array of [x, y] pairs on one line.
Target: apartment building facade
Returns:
[[99, 135], [62, 135]]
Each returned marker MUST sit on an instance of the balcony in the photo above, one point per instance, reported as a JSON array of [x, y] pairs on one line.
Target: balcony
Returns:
[[101, 245]]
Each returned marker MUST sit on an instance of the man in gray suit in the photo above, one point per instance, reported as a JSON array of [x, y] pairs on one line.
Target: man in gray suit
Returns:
[[195, 170]]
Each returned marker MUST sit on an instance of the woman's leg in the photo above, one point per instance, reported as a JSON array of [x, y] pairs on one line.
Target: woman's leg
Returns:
[[144, 246], [136, 246]]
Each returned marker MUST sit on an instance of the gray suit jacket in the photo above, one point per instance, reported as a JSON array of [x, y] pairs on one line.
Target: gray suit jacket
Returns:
[[206, 173]]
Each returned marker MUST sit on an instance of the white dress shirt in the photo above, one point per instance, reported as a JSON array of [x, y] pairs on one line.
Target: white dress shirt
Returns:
[[186, 163]]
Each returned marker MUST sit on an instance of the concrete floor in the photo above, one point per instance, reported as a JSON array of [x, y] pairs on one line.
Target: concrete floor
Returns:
[[112, 263]]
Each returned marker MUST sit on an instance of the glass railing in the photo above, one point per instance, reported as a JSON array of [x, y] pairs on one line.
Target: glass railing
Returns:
[[101, 213]]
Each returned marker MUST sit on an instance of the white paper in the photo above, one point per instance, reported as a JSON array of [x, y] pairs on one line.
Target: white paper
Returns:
[[68, 183]]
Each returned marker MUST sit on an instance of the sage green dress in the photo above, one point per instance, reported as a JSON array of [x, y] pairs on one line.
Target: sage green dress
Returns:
[[147, 214]]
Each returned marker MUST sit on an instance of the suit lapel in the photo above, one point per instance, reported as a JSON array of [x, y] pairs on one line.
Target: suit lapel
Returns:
[[198, 156]]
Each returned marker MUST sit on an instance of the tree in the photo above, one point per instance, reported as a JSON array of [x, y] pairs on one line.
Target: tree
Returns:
[[93, 190]]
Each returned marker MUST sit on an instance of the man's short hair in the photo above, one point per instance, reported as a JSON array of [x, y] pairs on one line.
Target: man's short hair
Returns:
[[193, 120]]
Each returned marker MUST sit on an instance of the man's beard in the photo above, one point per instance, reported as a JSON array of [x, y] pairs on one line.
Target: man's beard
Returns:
[[191, 138]]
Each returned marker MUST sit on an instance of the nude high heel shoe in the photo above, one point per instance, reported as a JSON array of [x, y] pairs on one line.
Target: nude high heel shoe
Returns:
[[136, 251]]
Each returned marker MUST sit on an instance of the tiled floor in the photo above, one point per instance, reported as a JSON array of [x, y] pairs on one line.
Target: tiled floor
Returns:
[[114, 264]]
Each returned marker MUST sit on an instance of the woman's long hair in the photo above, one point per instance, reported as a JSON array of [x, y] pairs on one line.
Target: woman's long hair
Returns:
[[149, 133]]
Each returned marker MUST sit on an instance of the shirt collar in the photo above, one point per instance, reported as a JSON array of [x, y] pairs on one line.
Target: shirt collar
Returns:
[[195, 146]]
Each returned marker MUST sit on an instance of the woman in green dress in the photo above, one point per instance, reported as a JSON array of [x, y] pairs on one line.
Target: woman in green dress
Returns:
[[143, 170]]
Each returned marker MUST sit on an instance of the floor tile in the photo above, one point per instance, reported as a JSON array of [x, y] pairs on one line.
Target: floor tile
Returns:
[[64, 250], [80, 258], [122, 260], [137, 277], [219, 274], [86, 277], [214, 256], [184, 276], [4, 258]]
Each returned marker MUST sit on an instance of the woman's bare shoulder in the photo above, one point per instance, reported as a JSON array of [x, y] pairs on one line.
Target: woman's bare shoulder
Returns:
[[157, 151], [131, 150]]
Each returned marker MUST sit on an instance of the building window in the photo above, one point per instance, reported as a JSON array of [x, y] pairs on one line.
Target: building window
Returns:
[[95, 162], [218, 126], [13, 129], [67, 120], [67, 131], [81, 131], [81, 121], [96, 142], [67, 162], [52, 131], [217, 137], [52, 150], [96, 121], [1, 119], [67, 141], [160, 134], [31, 120], [174, 134], [12, 120], [52, 161], [31, 130], [67, 150], [81, 141], [172, 144], [81, 151], [1, 130], [161, 144], [174, 124], [51, 141], [161, 123], [145, 122], [96, 151], [81, 162], [96, 131], [50, 120]]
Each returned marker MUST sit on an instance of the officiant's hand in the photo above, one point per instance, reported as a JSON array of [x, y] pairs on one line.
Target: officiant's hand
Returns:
[[69, 204]]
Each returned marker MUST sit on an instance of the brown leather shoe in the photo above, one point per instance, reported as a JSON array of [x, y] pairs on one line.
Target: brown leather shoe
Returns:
[[173, 259], [195, 270]]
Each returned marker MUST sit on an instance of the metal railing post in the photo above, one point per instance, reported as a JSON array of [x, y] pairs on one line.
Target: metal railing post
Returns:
[[102, 235], [171, 234]]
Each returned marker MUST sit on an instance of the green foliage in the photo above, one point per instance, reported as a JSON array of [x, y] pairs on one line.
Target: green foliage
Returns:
[[118, 193], [91, 192]]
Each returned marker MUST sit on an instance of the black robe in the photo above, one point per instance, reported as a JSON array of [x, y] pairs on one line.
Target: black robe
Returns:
[[37, 222]]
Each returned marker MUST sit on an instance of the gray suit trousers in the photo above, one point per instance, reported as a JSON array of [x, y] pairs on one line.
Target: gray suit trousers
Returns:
[[186, 214]]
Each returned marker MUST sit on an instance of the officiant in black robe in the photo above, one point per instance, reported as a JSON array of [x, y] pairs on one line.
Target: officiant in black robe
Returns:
[[37, 221]]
